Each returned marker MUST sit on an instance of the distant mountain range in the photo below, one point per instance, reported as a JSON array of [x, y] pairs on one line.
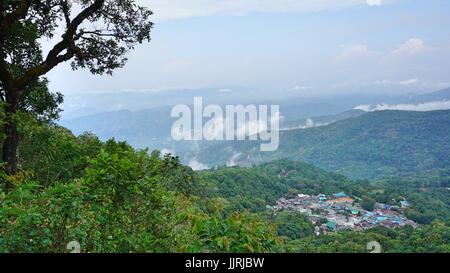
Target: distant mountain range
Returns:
[[373, 145], [151, 127], [146, 128], [76, 106], [326, 132]]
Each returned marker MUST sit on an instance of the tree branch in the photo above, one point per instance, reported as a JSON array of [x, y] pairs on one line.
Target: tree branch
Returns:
[[65, 10], [67, 43]]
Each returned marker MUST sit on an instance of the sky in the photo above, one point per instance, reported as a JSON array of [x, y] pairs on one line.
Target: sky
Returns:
[[302, 47]]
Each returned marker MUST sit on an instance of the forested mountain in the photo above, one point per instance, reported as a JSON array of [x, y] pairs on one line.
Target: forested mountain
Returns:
[[374, 145], [255, 188], [151, 127], [146, 128]]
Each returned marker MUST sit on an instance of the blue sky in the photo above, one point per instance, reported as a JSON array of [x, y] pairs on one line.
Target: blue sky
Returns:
[[307, 47]]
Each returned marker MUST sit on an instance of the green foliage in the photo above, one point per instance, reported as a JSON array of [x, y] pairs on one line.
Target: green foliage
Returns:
[[368, 203], [40, 102], [49, 153], [293, 225], [237, 232], [112, 198], [244, 188], [433, 238]]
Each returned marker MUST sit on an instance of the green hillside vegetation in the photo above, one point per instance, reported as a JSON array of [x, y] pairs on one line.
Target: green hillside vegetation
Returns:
[[255, 188], [433, 238], [375, 145], [112, 198]]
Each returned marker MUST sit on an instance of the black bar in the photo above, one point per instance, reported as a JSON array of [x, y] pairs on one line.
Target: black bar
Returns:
[[224, 262]]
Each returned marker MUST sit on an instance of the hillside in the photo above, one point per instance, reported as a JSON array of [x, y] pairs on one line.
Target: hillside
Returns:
[[140, 129], [378, 144], [112, 198], [255, 188]]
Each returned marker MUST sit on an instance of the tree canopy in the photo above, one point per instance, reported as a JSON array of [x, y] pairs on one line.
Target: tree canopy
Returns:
[[93, 34]]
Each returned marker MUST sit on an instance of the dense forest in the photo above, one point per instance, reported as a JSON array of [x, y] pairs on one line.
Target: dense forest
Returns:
[[111, 198]]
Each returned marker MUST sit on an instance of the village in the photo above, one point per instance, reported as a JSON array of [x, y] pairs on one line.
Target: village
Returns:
[[340, 212]]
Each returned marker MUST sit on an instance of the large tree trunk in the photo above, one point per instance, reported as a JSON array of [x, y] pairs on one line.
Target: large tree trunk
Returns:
[[11, 143], [10, 147]]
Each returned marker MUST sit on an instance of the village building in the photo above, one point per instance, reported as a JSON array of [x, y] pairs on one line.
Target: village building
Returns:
[[339, 212]]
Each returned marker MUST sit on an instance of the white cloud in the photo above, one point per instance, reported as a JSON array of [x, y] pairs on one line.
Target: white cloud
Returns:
[[309, 123], [374, 2], [363, 107], [197, 166], [353, 52], [402, 82], [421, 107], [302, 88], [173, 9], [409, 82], [411, 47], [234, 159]]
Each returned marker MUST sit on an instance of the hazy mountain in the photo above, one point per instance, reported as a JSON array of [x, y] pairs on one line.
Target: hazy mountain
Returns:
[[373, 145], [294, 105], [146, 128], [434, 96], [320, 120], [151, 127]]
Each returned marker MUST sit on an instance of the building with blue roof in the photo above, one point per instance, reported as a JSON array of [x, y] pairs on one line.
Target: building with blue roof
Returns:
[[339, 195]]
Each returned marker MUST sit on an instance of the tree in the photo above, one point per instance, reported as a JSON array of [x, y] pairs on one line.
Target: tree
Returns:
[[96, 34], [368, 203], [293, 224]]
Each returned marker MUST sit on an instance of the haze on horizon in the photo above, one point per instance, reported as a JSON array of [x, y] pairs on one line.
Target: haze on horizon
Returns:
[[300, 47]]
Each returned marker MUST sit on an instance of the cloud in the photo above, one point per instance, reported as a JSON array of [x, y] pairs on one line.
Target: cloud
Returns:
[[409, 82], [302, 88], [374, 2], [411, 47], [402, 82], [309, 123], [174, 9], [353, 52], [234, 160], [197, 166], [420, 107]]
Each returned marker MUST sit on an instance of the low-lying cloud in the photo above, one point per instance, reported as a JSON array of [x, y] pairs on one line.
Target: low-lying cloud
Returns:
[[420, 107], [308, 124], [197, 166]]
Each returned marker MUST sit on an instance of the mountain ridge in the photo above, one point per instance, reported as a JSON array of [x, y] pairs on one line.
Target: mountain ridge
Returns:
[[373, 145]]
